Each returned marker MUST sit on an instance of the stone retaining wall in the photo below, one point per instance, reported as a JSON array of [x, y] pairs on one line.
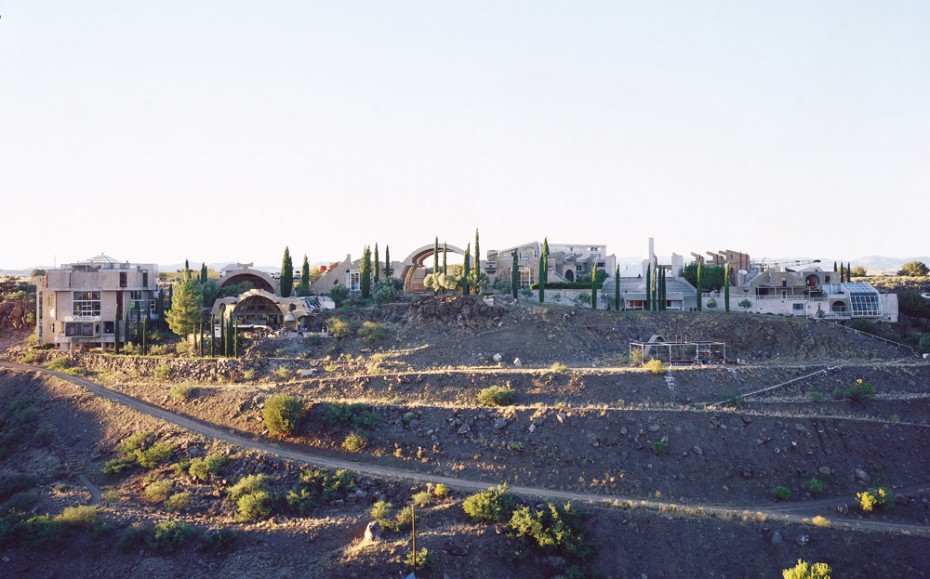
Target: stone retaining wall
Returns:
[[185, 369]]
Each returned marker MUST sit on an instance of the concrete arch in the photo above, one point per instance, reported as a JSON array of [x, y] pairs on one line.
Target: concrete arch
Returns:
[[258, 279], [415, 261]]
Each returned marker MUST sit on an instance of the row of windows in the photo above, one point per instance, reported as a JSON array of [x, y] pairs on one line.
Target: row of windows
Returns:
[[86, 304]]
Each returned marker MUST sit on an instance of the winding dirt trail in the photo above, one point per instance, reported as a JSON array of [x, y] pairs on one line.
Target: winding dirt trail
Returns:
[[795, 513]]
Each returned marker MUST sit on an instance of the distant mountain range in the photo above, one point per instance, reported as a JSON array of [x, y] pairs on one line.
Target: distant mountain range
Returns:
[[874, 264]]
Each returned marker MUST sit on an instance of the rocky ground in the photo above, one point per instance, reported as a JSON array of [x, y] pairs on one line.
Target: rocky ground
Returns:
[[587, 427]]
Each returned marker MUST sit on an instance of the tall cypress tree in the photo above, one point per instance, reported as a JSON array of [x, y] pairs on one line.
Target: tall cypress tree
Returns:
[[466, 271], [236, 339], [514, 275], [617, 289], [116, 324], [445, 262], [664, 303], [541, 279], [834, 267], [377, 264], [842, 272], [160, 310], [476, 265], [223, 336], [303, 288], [726, 287], [365, 273], [648, 303], [700, 294], [388, 272], [200, 335], [594, 287], [187, 269], [203, 272], [287, 274], [544, 273], [212, 341], [145, 337], [848, 272]]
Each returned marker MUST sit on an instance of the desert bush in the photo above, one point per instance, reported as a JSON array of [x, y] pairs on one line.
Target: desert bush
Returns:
[[805, 570], [203, 469], [440, 491], [158, 349], [338, 328], [355, 442], [169, 536], [636, 358], [381, 511], [422, 499], [421, 559], [860, 391], [780, 493], [351, 415], [252, 497], [37, 531], [249, 375], [138, 449], [372, 332], [219, 539], [283, 414], [494, 505], [656, 366], [153, 455], [58, 365], [660, 448], [163, 372], [180, 392], [318, 487], [80, 516], [558, 367], [20, 502], [820, 521], [132, 538], [156, 492], [816, 396], [876, 497], [554, 529], [496, 396], [283, 373], [246, 485], [339, 294], [815, 486], [179, 502]]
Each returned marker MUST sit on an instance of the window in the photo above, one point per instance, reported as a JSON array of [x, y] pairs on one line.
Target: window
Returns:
[[797, 308], [526, 278], [355, 281], [122, 279], [107, 327], [85, 304]]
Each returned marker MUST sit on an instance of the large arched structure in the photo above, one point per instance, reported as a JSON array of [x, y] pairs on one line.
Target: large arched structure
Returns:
[[414, 261], [245, 273]]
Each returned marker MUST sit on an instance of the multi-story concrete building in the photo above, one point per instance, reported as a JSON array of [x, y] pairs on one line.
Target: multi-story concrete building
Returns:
[[568, 262], [84, 303]]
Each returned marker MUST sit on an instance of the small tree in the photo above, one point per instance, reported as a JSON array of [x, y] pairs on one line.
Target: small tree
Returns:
[[700, 292], [515, 275], [303, 288], [617, 289], [914, 269], [466, 271], [365, 273], [282, 414], [594, 287], [648, 303], [287, 274], [726, 288], [186, 307], [745, 304]]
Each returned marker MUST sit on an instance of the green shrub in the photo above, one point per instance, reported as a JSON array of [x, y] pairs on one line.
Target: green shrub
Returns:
[[805, 570], [81, 516], [860, 391], [156, 492], [816, 396], [403, 519], [372, 332], [422, 559], [876, 497], [20, 502], [554, 529], [203, 469], [558, 368], [247, 485], [38, 531], [169, 536], [338, 328], [815, 486], [340, 294], [58, 365], [422, 499], [441, 491], [153, 455], [179, 502], [381, 511], [655, 366], [180, 392], [249, 375], [780, 493], [318, 487], [133, 537], [219, 539], [351, 415], [138, 449], [497, 396], [660, 448], [283, 373], [117, 466], [494, 505], [252, 498], [163, 372], [354, 442], [283, 414]]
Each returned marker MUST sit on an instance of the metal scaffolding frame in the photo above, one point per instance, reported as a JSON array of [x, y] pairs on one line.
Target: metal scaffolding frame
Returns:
[[681, 352]]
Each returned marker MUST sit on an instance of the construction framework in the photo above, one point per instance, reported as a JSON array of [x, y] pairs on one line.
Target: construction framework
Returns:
[[680, 352]]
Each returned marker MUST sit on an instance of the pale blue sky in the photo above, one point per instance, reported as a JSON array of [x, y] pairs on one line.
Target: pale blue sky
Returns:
[[155, 131]]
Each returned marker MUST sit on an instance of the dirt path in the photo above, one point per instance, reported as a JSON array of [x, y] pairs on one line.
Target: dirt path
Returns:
[[797, 514]]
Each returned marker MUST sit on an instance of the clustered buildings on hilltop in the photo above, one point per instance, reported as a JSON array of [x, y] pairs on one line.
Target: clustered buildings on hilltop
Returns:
[[96, 300]]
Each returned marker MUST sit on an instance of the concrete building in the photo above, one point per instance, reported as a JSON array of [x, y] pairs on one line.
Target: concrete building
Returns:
[[82, 303], [257, 309], [347, 273], [568, 262]]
